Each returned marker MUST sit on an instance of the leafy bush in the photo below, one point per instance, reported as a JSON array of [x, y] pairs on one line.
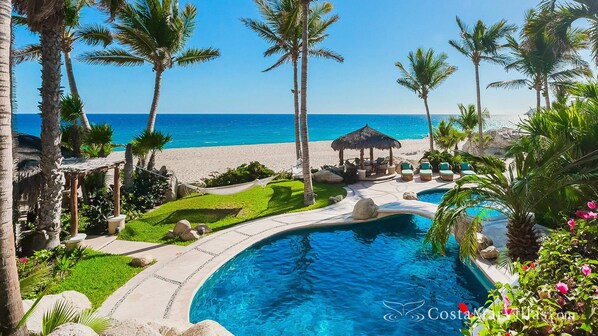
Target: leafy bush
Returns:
[[496, 162], [147, 192], [557, 295], [436, 157], [98, 210], [242, 174]]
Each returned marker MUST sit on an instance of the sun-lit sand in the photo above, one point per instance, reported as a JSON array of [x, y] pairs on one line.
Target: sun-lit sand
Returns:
[[191, 164]]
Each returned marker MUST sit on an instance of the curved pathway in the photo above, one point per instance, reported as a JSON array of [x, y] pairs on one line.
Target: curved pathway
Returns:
[[166, 289]]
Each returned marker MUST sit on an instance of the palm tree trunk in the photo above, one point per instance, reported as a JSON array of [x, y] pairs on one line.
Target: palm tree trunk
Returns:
[[151, 120], [429, 124], [538, 99], [308, 192], [479, 101], [68, 64], [297, 112], [11, 307], [546, 92], [48, 230], [522, 243]]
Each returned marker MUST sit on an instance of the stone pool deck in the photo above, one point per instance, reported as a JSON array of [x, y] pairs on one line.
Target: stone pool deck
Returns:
[[166, 289]]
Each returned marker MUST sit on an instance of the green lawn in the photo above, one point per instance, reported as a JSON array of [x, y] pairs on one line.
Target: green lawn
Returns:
[[97, 276], [220, 212]]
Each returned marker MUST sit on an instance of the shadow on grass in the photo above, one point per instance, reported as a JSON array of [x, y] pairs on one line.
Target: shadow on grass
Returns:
[[197, 216], [282, 200]]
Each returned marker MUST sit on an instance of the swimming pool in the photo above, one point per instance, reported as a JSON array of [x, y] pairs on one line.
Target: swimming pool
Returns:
[[435, 196], [362, 279]]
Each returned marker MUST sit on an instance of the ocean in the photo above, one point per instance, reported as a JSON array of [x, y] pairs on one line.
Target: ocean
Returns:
[[207, 130]]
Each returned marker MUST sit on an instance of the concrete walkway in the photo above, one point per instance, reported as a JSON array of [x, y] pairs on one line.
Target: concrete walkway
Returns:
[[111, 245], [166, 289]]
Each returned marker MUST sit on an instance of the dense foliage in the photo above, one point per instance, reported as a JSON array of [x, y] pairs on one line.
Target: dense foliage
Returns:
[[242, 174], [557, 294], [435, 157]]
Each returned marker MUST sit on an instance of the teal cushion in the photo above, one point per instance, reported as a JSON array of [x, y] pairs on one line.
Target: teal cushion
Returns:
[[405, 165], [444, 166], [467, 172], [407, 172], [425, 171], [425, 166], [465, 166], [446, 172]]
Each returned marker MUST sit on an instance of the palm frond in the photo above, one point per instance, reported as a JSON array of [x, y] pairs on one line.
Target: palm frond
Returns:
[[113, 56], [94, 35], [32, 52], [195, 56]]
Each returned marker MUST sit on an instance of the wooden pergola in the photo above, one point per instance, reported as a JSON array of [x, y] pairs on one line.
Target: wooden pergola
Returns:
[[73, 168], [362, 139]]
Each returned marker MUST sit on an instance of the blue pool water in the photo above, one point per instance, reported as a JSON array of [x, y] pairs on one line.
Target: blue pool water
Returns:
[[335, 281], [435, 196]]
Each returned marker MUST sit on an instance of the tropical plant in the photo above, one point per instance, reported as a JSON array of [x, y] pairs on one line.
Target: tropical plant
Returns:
[[11, 307], [154, 32], [425, 72], [468, 120], [98, 141], [481, 43], [514, 194], [62, 313], [242, 174], [71, 110], [446, 136], [282, 29], [149, 143], [75, 31]]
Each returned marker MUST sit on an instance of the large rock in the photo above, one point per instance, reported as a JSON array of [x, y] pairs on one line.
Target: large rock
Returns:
[[78, 301], [189, 235], [483, 242], [181, 227], [490, 253], [171, 192], [207, 328], [202, 229], [325, 176], [365, 209], [131, 328], [72, 329], [501, 139], [168, 327], [335, 199], [410, 195], [143, 261]]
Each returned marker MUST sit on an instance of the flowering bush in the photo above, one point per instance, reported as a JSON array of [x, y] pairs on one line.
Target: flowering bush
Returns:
[[557, 295]]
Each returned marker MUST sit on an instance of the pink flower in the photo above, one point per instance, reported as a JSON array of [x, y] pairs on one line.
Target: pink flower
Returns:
[[571, 223], [586, 270], [561, 287], [586, 214], [506, 308], [23, 260], [592, 205]]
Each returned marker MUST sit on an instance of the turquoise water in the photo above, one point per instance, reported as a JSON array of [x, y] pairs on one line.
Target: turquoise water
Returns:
[[205, 130], [347, 280], [435, 196]]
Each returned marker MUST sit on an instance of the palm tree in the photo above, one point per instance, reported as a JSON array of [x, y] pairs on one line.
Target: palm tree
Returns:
[[468, 120], [283, 31], [98, 141], [149, 143], [446, 136], [426, 72], [11, 307], [153, 32], [71, 109], [482, 43], [74, 32]]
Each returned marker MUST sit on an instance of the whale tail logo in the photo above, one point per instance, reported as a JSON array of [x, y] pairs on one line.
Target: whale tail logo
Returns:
[[402, 311]]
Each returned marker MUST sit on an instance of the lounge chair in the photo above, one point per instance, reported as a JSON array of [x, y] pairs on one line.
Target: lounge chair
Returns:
[[406, 171], [446, 172], [466, 169], [425, 171]]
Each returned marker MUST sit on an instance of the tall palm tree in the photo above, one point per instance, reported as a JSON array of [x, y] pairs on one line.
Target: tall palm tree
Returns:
[[425, 73], [11, 307], [282, 30], [74, 32], [308, 189], [481, 43], [154, 32], [468, 120]]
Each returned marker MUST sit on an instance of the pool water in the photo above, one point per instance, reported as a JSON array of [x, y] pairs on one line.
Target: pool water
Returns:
[[350, 280], [435, 196]]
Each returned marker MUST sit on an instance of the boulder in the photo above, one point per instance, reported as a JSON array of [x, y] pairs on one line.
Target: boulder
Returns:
[[410, 195], [168, 327], [365, 209], [189, 235], [335, 199], [184, 190], [181, 227], [71, 329], [483, 242], [501, 139], [490, 253], [79, 302], [143, 261], [171, 235], [325, 176], [202, 229], [207, 328], [131, 328]]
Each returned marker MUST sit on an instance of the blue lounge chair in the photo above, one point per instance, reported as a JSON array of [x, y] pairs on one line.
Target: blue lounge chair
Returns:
[[425, 171], [446, 172], [466, 169], [406, 171]]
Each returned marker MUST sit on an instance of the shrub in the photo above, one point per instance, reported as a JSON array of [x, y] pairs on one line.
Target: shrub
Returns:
[[496, 162], [436, 157], [242, 174], [557, 295], [147, 192], [98, 210]]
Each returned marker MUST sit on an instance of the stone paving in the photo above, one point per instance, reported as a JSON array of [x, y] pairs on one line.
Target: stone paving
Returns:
[[166, 289]]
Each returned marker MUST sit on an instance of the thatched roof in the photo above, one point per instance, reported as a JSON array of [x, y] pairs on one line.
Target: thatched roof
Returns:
[[27, 155], [82, 166], [365, 138]]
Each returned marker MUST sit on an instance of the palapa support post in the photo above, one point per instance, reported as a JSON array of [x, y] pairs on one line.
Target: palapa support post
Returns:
[[372, 156], [116, 191], [74, 205], [391, 160], [361, 165], [341, 158]]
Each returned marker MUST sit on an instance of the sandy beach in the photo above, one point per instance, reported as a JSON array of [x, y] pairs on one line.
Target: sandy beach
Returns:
[[192, 164]]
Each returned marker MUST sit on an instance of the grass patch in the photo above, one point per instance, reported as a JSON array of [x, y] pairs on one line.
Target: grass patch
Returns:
[[220, 211], [97, 276]]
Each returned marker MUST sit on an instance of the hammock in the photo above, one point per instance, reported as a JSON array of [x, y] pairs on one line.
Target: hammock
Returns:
[[233, 189]]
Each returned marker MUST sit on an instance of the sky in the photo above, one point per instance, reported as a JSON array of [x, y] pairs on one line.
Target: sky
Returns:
[[371, 35]]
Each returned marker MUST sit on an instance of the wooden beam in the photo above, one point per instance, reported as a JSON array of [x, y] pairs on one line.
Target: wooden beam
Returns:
[[372, 156], [74, 205], [341, 158], [361, 159], [116, 191]]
